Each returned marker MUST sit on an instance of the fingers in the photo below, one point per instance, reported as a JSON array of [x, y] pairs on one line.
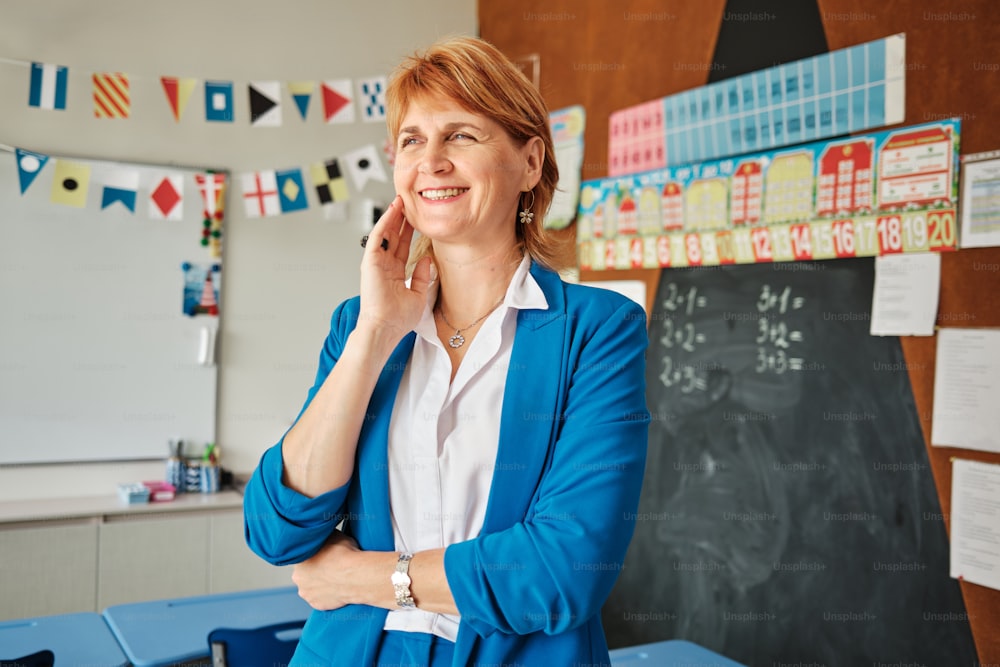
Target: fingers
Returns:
[[423, 275], [386, 232]]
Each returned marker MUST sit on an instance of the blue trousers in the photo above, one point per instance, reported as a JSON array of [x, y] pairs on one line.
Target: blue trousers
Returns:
[[414, 649]]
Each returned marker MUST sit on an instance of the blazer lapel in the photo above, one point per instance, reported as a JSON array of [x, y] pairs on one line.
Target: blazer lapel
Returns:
[[531, 406], [371, 493]]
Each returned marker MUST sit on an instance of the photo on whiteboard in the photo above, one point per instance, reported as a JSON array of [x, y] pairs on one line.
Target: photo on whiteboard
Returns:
[[202, 283]]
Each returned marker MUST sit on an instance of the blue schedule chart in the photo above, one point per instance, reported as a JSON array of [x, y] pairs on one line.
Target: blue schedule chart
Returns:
[[853, 89]]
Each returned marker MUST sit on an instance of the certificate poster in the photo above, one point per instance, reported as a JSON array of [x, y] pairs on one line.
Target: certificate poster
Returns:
[[869, 195]]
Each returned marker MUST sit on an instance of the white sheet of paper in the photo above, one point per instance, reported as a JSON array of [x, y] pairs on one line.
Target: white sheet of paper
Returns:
[[905, 299], [975, 522], [980, 207], [967, 389]]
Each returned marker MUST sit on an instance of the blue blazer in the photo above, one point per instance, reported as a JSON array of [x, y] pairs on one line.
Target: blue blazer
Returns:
[[562, 504]]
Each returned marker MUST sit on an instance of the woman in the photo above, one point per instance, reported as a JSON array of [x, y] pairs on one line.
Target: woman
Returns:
[[479, 428]]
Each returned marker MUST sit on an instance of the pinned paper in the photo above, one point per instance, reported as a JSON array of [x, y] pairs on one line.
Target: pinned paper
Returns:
[[167, 197], [48, 86], [178, 92], [69, 185], [121, 186], [219, 101], [905, 301], [364, 165], [29, 165], [201, 288], [975, 522], [260, 194], [371, 97], [111, 95], [337, 101], [265, 103], [567, 138]]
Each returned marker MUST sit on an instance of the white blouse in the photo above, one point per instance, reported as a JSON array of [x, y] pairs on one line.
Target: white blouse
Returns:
[[443, 438]]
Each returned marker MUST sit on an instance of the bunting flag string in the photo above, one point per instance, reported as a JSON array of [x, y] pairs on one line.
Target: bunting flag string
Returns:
[[265, 193], [112, 95]]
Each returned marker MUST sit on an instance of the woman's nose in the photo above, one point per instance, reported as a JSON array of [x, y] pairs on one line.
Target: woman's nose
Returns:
[[434, 159]]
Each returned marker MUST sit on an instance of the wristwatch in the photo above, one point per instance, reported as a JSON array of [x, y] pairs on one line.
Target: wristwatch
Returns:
[[401, 582]]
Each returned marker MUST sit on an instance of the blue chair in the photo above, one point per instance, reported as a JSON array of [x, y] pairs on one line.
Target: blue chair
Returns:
[[268, 645], [39, 659]]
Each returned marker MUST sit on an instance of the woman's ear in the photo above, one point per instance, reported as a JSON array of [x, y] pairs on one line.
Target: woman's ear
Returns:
[[535, 154]]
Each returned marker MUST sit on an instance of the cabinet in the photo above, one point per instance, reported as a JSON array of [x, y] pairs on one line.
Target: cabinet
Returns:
[[99, 553]]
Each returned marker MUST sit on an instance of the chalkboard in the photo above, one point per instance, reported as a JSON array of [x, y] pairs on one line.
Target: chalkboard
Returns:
[[788, 514], [98, 361]]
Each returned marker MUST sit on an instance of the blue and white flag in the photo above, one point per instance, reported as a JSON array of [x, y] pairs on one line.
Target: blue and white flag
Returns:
[[121, 186], [291, 190], [48, 86], [28, 166]]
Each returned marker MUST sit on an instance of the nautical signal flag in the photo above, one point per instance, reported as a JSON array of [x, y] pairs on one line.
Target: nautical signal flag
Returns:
[[28, 167], [301, 92], [338, 105], [364, 165], [331, 187], [265, 103], [121, 186], [219, 101], [48, 86], [371, 97], [166, 199], [178, 92], [111, 95], [291, 190], [260, 194], [69, 184]]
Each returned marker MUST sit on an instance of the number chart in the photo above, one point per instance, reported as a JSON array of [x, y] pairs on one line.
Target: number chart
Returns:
[[889, 192], [850, 90]]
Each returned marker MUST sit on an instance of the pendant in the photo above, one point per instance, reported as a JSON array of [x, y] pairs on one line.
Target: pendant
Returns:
[[458, 340]]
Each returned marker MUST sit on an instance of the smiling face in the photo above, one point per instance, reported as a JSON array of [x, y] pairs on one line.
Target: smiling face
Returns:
[[460, 174]]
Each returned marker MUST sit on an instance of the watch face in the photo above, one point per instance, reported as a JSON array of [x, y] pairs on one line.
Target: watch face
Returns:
[[400, 579]]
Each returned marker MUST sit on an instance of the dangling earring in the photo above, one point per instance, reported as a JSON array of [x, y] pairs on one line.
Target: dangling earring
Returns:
[[527, 217]]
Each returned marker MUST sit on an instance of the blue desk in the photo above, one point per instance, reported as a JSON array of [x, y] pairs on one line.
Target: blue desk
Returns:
[[75, 639], [165, 632], [672, 653]]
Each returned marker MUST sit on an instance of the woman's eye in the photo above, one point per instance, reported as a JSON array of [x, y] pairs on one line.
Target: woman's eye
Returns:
[[462, 135], [407, 141]]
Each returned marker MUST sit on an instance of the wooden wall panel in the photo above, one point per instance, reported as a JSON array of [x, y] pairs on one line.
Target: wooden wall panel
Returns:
[[606, 56], [952, 60]]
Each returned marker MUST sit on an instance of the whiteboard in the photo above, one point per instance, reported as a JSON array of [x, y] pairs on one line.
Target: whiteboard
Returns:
[[97, 360]]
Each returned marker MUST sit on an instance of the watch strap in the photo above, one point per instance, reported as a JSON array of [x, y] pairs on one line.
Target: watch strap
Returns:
[[401, 582]]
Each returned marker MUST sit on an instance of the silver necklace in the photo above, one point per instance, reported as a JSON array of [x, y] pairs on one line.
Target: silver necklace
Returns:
[[457, 339]]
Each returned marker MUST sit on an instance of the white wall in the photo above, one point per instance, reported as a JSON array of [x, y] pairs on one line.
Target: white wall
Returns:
[[282, 275]]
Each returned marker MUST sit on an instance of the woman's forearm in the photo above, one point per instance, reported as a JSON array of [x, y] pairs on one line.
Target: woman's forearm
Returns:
[[318, 452]]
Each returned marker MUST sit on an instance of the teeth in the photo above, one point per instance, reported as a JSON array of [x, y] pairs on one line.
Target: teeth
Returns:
[[442, 194]]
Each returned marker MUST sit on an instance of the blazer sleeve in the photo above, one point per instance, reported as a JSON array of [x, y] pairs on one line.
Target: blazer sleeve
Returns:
[[554, 570], [281, 525]]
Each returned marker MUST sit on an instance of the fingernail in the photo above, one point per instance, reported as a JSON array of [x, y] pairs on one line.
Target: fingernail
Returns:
[[434, 272]]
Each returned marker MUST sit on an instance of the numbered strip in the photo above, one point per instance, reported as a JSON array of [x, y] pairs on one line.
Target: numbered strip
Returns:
[[865, 236]]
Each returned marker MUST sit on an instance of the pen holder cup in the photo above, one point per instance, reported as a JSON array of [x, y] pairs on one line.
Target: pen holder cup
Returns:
[[175, 474], [209, 478], [192, 476]]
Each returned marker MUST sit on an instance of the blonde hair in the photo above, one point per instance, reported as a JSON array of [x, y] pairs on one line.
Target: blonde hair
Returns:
[[480, 79]]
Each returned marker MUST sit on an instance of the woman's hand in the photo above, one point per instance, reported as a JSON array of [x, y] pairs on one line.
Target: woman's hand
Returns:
[[386, 301], [325, 580]]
